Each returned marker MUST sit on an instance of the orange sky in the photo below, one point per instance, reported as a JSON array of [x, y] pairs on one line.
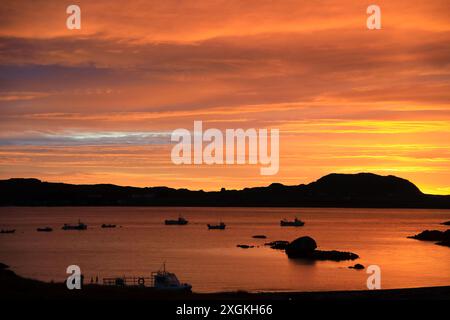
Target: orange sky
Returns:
[[97, 105]]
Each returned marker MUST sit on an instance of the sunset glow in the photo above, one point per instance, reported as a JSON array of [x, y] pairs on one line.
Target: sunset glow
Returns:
[[97, 105]]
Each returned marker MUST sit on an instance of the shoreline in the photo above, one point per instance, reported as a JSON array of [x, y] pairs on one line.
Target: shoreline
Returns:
[[15, 287]]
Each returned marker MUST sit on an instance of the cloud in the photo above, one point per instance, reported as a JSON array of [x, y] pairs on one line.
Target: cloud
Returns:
[[85, 138], [190, 21]]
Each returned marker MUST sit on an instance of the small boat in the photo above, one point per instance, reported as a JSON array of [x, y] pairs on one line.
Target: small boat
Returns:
[[163, 280], [277, 244], [79, 226], [45, 229], [108, 225], [295, 223], [220, 226], [180, 221], [7, 230]]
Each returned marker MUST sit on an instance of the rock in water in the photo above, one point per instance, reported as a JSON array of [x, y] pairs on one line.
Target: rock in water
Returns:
[[244, 246], [357, 266], [333, 255], [305, 248], [432, 235], [443, 237], [445, 243], [301, 247]]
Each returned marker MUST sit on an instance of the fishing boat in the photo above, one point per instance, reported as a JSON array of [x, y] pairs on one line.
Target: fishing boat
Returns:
[[219, 226], [105, 225], [79, 226], [7, 230], [158, 280], [294, 223], [180, 221], [45, 229]]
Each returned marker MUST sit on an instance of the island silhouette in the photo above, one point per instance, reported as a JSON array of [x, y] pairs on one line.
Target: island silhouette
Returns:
[[361, 190]]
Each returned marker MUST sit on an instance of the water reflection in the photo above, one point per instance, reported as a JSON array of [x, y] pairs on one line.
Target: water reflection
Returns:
[[212, 262]]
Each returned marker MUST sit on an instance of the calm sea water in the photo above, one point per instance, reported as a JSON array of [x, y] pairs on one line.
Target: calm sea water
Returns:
[[210, 260]]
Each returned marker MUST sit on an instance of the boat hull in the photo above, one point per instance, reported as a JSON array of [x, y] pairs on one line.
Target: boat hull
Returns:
[[218, 227], [291, 224], [74, 227], [175, 222], [110, 226], [8, 231]]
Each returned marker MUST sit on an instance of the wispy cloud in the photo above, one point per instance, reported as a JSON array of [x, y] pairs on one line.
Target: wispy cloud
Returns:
[[86, 138]]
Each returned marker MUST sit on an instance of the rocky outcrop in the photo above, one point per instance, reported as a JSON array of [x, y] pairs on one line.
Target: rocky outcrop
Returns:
[[445, 243], [432, 235], [303, 246], [333, 255], [441, 238], [306, 248]]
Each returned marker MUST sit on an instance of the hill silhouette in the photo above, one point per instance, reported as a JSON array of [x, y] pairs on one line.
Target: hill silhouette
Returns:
[[333, 190]]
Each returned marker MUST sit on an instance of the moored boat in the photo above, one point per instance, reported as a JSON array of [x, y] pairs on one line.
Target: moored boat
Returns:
[[163, 280], [180, 221], [294, 223], [45, 229], [105, 225], [7, 230], [219, 226], [79, 226]]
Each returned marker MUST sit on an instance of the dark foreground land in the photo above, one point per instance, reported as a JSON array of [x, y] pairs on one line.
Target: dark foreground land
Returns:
[[14, 287]]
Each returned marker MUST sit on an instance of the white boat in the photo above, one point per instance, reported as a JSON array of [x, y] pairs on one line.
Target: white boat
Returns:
[[159, 280], [163, 280]]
